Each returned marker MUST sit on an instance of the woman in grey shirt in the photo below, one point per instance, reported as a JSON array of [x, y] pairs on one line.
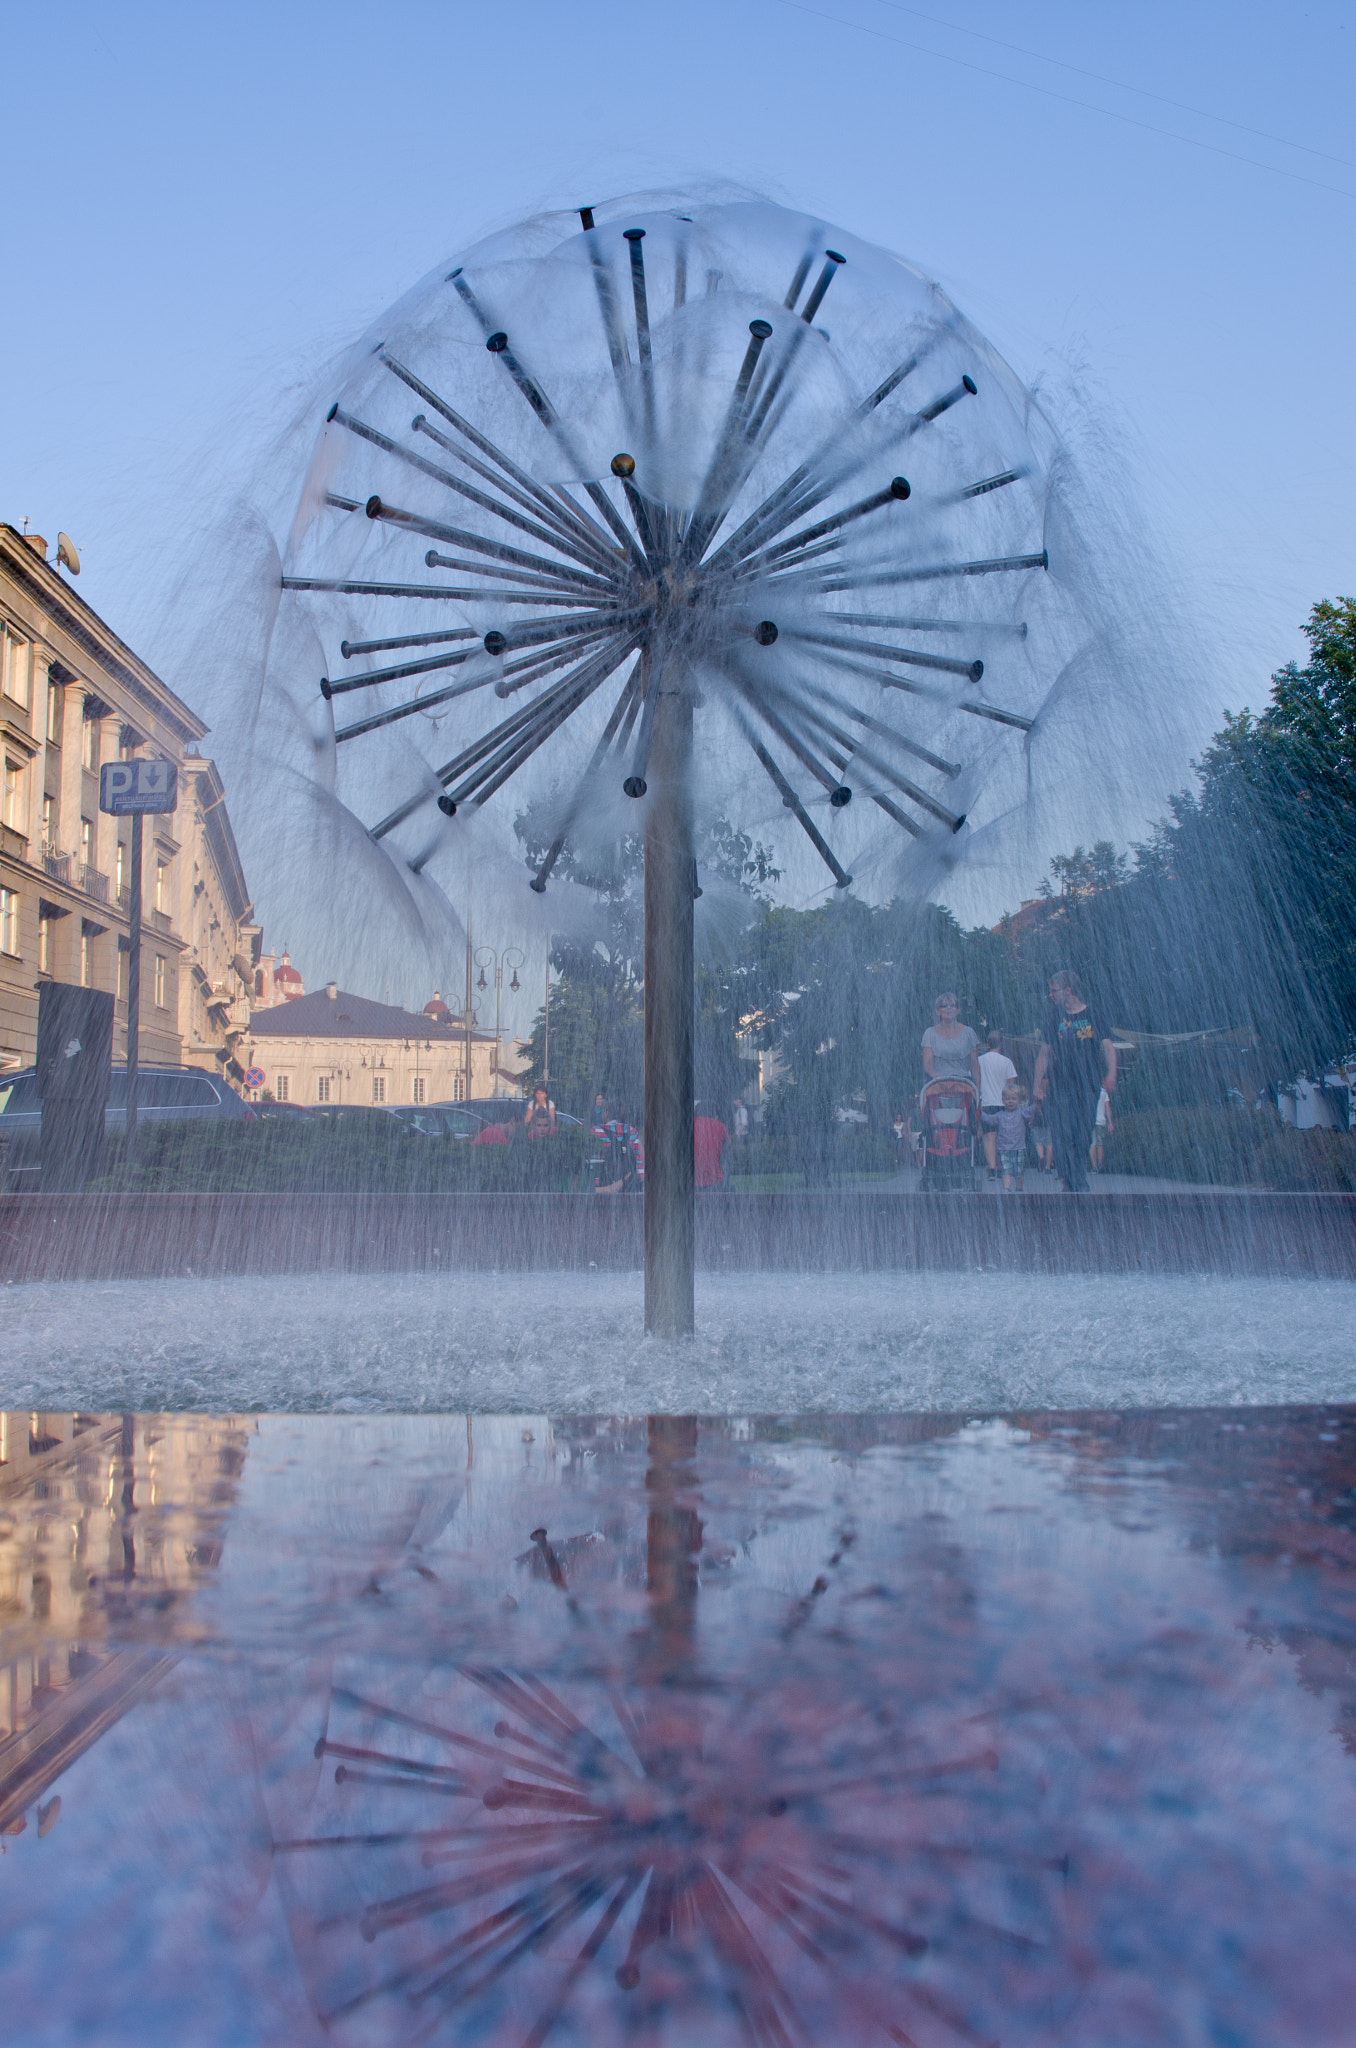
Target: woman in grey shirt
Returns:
[[950, 1048]]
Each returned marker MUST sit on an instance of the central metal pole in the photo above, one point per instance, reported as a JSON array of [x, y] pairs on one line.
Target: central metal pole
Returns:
[[669, 1005]]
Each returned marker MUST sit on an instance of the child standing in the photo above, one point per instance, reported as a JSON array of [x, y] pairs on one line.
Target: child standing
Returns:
[[995, 1071], [1010, 1125]]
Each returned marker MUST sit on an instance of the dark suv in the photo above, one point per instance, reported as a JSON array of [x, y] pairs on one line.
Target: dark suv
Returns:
[[165, 1095]]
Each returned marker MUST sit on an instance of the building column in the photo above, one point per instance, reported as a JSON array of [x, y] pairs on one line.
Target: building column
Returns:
[[37, 771], [72, 735], [105, 827]]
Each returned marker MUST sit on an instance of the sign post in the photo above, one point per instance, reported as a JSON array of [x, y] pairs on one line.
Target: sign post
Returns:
[[131, 788]]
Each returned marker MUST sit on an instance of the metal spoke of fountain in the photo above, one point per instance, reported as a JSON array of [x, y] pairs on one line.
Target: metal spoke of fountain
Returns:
[[683, 507]]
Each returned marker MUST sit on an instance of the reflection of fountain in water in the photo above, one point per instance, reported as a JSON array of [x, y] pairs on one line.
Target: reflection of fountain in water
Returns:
[[754, 1850], [1120, 1640]]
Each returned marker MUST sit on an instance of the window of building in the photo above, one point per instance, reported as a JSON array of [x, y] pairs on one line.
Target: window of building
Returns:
[[15, 662], [9, 921], [162, 885], [160, 1003], [14, 795], [91, 742], [45, 954], [86, 958], [49, 815], [322, 1088], [379, 1087], [53, 714], [420, 1088], [87, 841], [282, 1087], [459, 1088], [119, 853]]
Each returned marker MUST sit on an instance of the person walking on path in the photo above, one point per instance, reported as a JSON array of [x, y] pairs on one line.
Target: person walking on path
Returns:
[[950, 1048], [995, 1071], [710, 1150], [1009, 1124], [741, 1120], [1076, 1060]]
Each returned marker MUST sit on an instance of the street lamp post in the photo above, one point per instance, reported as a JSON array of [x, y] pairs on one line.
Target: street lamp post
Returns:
[[497, 959], [546, 1045]]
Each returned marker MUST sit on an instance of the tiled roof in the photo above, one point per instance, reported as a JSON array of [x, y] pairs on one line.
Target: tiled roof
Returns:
[[348, 1016]]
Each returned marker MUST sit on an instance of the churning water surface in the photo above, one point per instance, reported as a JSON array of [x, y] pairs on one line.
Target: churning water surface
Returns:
[[574, 1343]]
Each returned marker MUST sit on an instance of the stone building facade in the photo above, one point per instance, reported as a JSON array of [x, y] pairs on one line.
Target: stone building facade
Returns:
[[334, 1047], [72, 697], [214, 912]]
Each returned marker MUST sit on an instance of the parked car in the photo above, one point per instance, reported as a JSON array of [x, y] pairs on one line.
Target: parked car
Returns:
[[165, 1095], [441, 1119], [507, 1109], [371, 1119]]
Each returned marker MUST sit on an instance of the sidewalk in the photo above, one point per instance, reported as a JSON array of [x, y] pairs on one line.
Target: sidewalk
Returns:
[[1098, 1184]]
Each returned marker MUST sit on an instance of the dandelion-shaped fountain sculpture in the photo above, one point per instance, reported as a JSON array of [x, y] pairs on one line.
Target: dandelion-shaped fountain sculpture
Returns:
[[678, 521]]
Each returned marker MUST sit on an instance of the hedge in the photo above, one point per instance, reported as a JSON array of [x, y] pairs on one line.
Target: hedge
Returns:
[[1232, 1148], [305, 1155]]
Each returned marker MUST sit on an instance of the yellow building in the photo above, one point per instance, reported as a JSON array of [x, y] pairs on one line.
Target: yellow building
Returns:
[[72, 697], [334, 1047]]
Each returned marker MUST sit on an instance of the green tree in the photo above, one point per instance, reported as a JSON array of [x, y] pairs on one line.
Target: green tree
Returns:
[[1240, 910], [597, 1004], [1260, 861], [597, 1031]]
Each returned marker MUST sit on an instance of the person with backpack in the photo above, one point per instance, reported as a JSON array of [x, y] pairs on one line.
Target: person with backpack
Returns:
[[619, 1166]]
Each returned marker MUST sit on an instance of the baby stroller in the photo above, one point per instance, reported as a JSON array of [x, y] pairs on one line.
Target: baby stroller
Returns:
[[950, 1114]]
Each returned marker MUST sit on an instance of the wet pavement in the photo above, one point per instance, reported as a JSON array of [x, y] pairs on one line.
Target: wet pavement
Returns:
[[908, 1181], [934, 1729]]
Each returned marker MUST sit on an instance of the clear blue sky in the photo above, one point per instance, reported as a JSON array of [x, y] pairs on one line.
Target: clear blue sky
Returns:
[[204, 204]]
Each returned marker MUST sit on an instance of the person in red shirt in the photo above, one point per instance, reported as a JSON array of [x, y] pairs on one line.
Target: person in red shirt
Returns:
[[710, 1143]]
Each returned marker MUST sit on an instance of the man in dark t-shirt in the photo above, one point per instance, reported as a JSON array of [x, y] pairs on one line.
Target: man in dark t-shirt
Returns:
[[1076, 1061]]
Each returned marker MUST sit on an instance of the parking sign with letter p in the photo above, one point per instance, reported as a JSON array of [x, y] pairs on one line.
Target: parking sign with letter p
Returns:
[[126, 786]]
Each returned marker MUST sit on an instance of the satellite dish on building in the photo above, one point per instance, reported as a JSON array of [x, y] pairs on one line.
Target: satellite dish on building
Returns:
[[68, 553]]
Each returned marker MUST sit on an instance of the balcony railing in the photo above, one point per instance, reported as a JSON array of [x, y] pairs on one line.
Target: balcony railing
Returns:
[[90, 881], [13, 842], [76, 874], [160, 921]]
